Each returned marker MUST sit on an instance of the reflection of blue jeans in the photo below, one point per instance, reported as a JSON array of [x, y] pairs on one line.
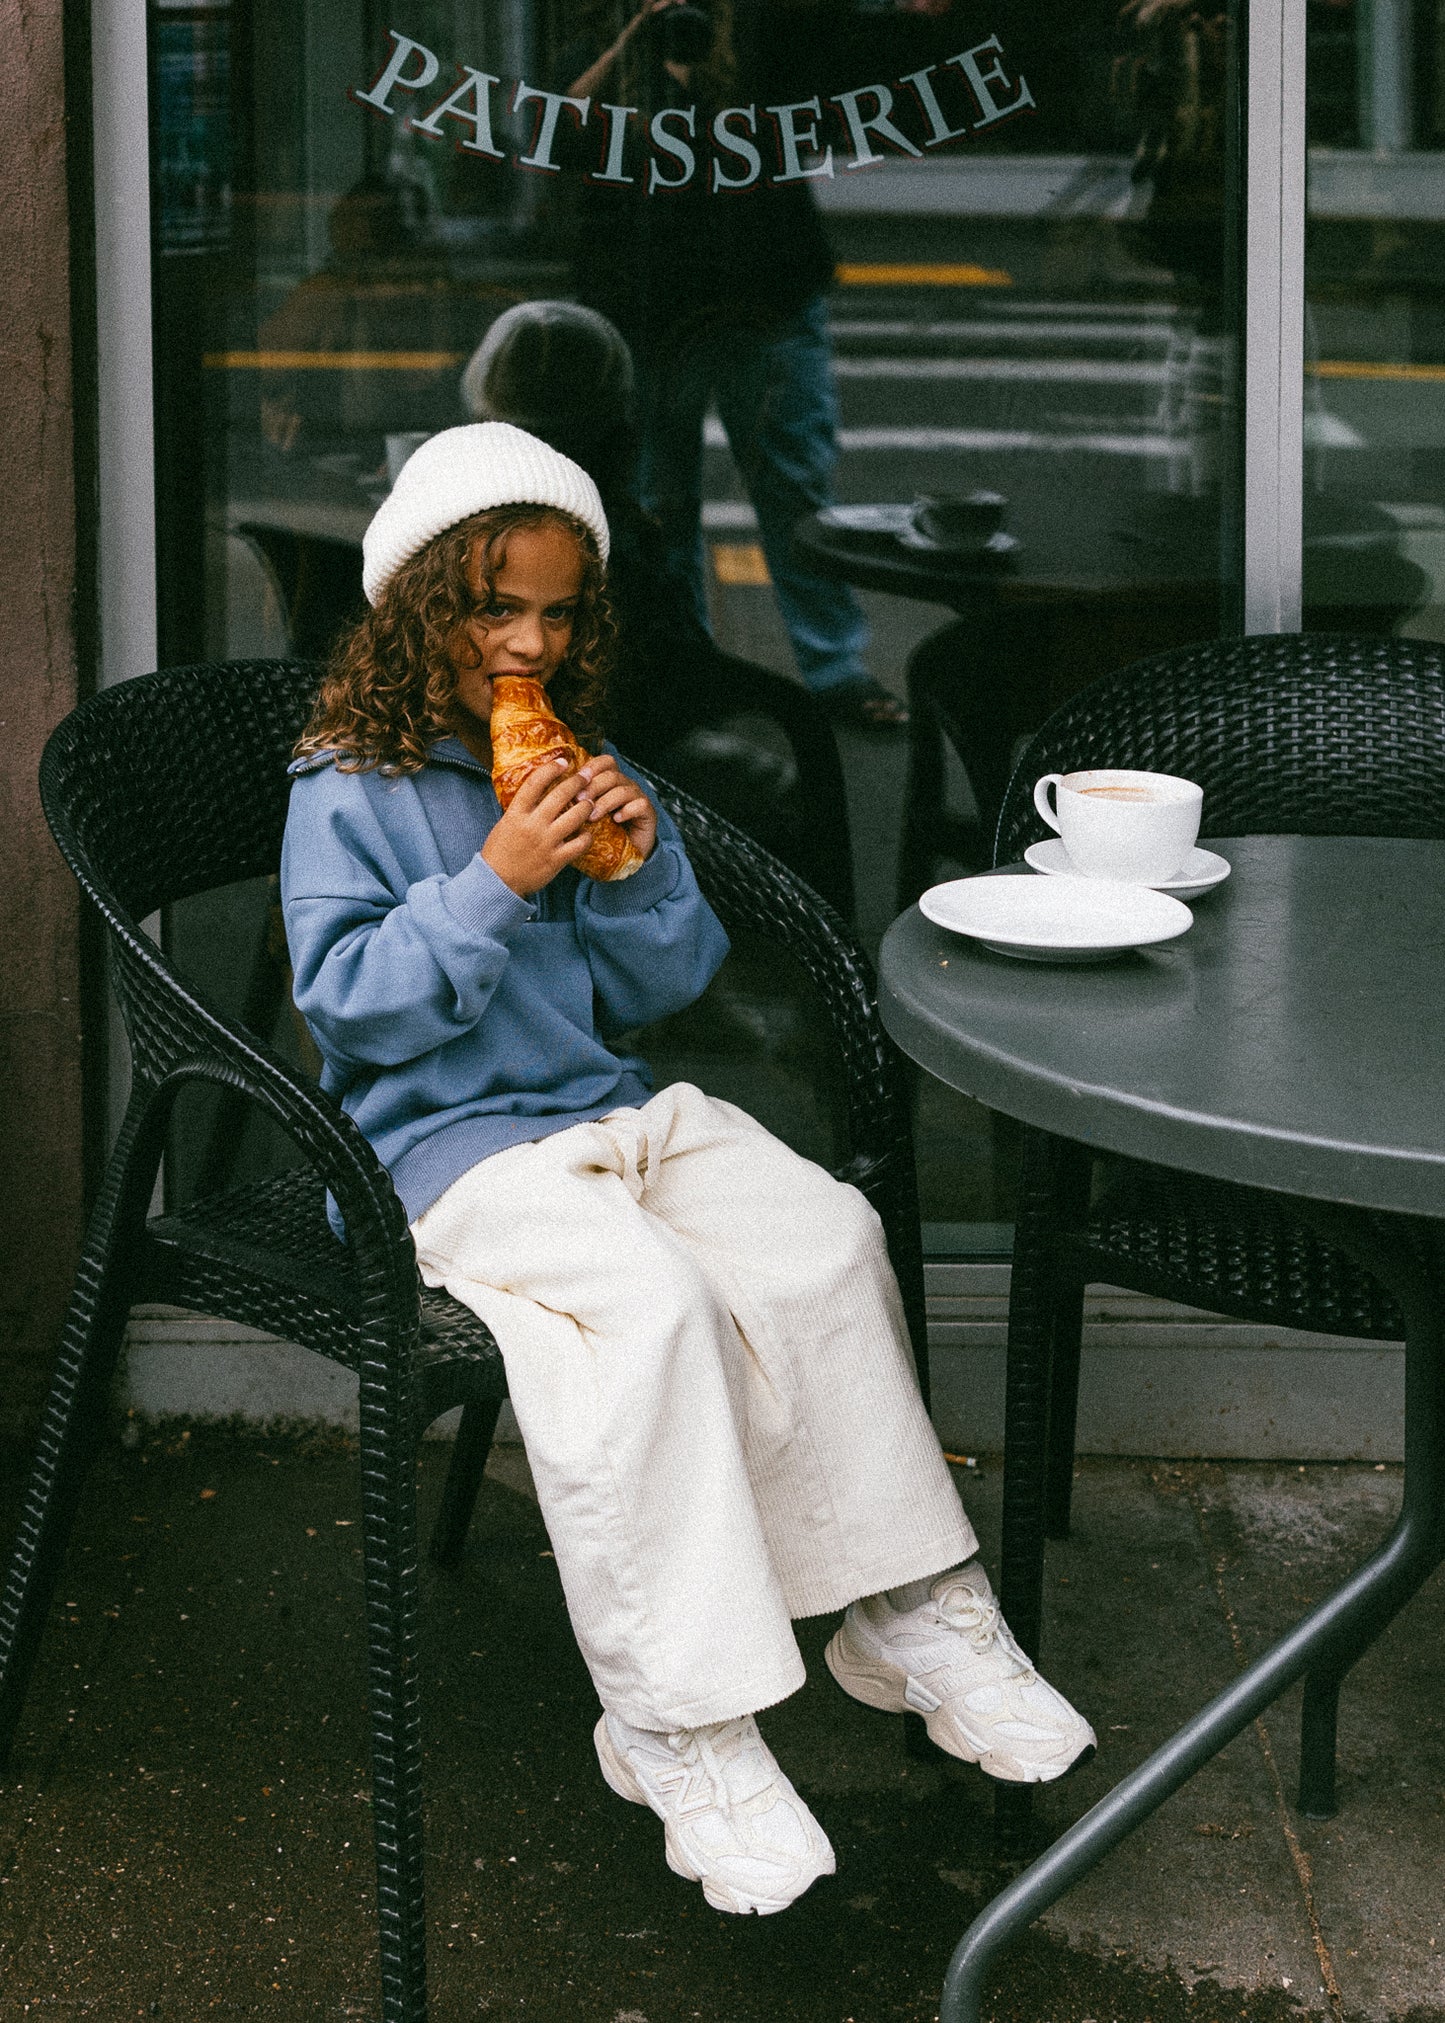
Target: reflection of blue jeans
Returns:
[[774, 391]]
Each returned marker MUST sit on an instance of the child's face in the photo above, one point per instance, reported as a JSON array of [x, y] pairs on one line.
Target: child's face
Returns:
[[525, 625]]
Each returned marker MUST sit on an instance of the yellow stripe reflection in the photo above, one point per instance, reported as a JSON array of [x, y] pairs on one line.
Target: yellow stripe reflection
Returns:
[[923, 274], [334, 361], [740, 563], [1364, 368], [853, 277]]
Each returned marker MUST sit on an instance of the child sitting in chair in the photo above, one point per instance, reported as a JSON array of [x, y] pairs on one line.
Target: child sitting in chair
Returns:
[[703, 1338]]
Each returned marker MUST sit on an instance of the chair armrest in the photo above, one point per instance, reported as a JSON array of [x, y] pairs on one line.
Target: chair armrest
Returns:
[[177, 1037], [748, 887]]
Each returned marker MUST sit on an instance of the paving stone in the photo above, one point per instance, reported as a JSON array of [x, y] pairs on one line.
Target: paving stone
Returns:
[[185, 1827], [1284, 1536], [1206, 1888]]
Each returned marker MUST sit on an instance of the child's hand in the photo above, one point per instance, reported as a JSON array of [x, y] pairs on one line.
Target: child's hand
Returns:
[[545, 829], [612, 793]]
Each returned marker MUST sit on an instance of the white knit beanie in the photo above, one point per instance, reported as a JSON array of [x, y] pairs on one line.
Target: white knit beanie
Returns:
[[468, 470]]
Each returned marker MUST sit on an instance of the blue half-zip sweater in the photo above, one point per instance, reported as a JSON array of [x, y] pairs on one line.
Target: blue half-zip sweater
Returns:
[[455, 1019]]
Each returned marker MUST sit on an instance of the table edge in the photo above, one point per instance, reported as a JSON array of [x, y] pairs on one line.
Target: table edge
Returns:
[[1108, 1120]]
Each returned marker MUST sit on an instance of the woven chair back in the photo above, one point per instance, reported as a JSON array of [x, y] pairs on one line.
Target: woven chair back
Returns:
[[1313, 734], [175, 783]]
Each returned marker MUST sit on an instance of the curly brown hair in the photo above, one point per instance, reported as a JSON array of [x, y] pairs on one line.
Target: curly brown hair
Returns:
[[391, 682]]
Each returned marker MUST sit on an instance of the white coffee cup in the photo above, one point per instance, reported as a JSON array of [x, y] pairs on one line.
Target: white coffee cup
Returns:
[[1139, 827]]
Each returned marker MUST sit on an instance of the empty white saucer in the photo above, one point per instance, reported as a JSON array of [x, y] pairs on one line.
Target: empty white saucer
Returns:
[[1201, 872], [1061, 919]]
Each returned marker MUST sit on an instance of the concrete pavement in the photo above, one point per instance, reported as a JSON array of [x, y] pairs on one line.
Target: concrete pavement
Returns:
[[184, 1829]]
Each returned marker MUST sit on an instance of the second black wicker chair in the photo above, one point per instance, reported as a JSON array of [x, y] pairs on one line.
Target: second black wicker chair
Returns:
[[1306, 734], [173, 784]]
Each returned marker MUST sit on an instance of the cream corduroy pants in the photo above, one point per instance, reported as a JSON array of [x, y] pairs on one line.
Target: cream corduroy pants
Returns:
[[706, 1354]]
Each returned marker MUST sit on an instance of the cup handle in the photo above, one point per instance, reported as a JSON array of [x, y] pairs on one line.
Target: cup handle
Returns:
[[1041, 797]]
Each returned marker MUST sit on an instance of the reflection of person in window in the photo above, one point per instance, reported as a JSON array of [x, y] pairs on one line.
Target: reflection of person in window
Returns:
[[679, 704], [565, 373], [1172, 76], [380, 291], [722, 300]]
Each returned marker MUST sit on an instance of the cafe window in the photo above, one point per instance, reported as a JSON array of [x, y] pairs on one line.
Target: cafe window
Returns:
[[903, 337]]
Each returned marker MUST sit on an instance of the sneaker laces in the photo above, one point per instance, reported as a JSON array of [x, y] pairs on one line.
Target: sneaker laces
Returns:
[[979, 1618], [703, 1753]]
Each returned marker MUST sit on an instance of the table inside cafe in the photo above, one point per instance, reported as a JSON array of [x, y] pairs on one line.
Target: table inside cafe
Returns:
[[1091, 587], [1066, 548], [1291, 1039]]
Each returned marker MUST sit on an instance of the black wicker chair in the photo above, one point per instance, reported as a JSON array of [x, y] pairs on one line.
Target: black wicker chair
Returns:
[[1304, 734], [139, 832]]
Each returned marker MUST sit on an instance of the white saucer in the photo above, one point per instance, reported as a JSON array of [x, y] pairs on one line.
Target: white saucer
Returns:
[[1061, 919], [1201, 872]]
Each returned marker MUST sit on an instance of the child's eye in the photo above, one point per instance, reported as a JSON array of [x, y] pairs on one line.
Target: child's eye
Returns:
[[561, 614]]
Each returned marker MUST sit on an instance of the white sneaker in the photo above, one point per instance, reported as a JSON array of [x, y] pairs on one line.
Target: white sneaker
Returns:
[[953, 1660], [734, 1822]]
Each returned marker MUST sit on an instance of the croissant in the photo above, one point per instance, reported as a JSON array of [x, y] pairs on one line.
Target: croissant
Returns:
[[526, 730]]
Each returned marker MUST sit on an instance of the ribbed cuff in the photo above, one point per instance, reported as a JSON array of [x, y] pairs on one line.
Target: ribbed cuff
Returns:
[[657, 880], [484, 904]]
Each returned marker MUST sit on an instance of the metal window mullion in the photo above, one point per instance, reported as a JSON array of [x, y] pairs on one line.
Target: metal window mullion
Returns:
[[126, 532], [125, 416], [1274, 315]]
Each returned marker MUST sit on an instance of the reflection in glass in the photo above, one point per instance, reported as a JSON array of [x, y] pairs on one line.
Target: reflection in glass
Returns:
[[1374, 417], [819, 272]]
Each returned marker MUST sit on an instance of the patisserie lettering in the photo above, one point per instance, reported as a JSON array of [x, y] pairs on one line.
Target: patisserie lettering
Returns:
[[738, 148]]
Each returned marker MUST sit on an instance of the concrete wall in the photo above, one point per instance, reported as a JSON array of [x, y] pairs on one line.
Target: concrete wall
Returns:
[[1157, 1379], [40, 1056]]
